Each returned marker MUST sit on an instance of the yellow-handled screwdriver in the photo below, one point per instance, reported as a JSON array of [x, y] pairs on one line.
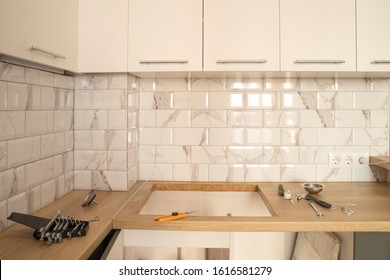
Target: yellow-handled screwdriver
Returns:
[[173, 216]]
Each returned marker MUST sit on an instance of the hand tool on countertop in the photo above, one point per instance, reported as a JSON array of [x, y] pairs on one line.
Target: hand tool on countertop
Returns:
[[173, 216], [318, 212], [309, 197]]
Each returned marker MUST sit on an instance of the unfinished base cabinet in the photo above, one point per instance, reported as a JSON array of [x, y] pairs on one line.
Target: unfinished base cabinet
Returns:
[[199, 245], [372, 246]]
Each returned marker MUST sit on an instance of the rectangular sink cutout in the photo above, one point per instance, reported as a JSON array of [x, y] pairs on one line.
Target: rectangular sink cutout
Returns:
[[206, 203]]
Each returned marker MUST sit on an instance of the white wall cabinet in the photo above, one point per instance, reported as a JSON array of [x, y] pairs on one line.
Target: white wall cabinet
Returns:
[[373, 40], [102, 36], [241, 35], [317, 35], [48, 25], [165, 35]]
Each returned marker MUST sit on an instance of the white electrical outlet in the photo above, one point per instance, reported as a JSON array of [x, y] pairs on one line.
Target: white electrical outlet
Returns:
[[347, 160], [361, 159], [335, 160]]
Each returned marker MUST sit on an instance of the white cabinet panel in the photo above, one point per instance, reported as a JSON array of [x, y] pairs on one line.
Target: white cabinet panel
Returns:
[[50, 25], [317, 35], [241, 35], [165, 35], [373, 39], [102, 37]]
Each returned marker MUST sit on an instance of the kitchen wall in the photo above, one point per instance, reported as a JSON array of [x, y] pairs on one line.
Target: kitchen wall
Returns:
[[260, 129], [105, 131], [36, 139]]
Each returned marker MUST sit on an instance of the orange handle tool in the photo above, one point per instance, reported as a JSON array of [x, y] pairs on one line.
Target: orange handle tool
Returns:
[[172, 217]]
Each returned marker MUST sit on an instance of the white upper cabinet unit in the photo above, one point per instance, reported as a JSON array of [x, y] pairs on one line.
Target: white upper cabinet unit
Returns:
[[241, 35], [42, 31], [373, 39], [165, 35], [102, 38], [317, 35]]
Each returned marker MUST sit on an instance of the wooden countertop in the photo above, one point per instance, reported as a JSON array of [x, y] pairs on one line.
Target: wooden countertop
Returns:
[[17, 241], [371, 210], [119, 210]]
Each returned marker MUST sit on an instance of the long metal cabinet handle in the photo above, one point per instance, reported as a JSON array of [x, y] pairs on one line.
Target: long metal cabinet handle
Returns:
[[225, 61], [163, 61], [55, 55], [320, 61], [380, 62]]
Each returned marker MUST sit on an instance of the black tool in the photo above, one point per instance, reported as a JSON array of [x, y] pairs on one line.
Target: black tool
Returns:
[[315, 200]]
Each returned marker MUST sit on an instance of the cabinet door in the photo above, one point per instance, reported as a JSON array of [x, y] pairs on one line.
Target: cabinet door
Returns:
[[48, 25], [317, 35], [241, 35], [373, 39], [102, 37], [165, 35]]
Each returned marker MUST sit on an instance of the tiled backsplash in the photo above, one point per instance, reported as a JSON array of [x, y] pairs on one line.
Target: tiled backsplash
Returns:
[[259, 129], [36, 139], [105, 131]]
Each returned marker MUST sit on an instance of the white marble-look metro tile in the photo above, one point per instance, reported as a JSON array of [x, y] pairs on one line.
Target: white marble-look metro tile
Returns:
[[156, 136], [69, 181], [379, 150], [298, 173], [12, 181], [90, 160], [327, 174], [39, 172], [379, 118], [317, 118], [52, 144], [190, 172], [147, 154], [370, 100], [69, 139], [226, 100], [17, 96], [334, 136], [226, 172], [3, 214], [90, 119], [190, 136], [363, 174], [12, 73], [83, 99], [65, 98], [207, 118], [117, 80], [48, 98], [117, 160], [173, 154], [245, 84], [82, 139], [298, 136], [352, 84], [91, 81], [317, 84], [109, 139], [62, 81], [109, 180], [370, 136], [226, 136], [39, 122], [48, 192], [334, 100], [161, 171], [191, 100], [3, 95], [353, 118], [280, 154], [34, 97], [279, 118], [281, 84], [209, 84], [82, 180], [262, 173], [132, 119], [114, 99], [172, 84], [23, 150], [34, 202], [12, 124], [173, 118], [263, 100], [117, 119], [63, 120], [315, 154], [245, 154], [38, 77], [263, 136], [209, 154], [299, 100], [245, 118], [63, 163], [3, 155]]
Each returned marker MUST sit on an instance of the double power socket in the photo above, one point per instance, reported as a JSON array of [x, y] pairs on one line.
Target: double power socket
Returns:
[[348, 160]]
